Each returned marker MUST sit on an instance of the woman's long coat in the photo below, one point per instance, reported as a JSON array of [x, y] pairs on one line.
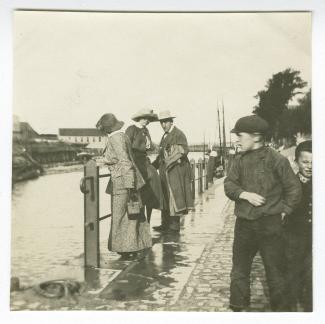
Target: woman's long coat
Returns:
[[126, 235], [151, 193]]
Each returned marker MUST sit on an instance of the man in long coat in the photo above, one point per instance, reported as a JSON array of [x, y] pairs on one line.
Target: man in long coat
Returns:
[[175, 174]]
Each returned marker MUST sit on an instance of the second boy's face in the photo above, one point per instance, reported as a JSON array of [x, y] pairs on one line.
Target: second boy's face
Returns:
[[245, 141], [304, 163]]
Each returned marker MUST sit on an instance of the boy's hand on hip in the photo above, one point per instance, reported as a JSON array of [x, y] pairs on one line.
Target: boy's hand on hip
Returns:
[[253, 198]]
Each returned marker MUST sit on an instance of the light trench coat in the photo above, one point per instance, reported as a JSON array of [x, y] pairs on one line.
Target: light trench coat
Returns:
[[126, 234]]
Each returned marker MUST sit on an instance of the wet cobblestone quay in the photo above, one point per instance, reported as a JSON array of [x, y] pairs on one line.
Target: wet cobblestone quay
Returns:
[[208, 287], [186, 272]]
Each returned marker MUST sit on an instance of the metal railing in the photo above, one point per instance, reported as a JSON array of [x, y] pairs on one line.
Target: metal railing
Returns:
[[89, 186], [201, 177]]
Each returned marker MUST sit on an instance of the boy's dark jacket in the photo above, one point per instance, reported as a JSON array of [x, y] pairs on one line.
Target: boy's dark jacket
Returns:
[[267, 173], [300, 221]]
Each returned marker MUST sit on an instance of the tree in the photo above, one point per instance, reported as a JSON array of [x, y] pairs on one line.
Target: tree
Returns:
[[274, 99], [297, 119], [303, 114]]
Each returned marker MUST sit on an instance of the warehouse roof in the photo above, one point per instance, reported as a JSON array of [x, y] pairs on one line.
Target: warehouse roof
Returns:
[[80, 132]]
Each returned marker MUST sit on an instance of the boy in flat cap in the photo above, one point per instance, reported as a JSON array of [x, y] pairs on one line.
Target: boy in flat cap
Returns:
[[265, 189], [299, 236]]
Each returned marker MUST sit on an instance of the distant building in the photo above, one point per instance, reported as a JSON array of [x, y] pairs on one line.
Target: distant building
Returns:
[[49, 137], [22, 131], [27, 132], [81, 135], [39, 148], [53, 152]]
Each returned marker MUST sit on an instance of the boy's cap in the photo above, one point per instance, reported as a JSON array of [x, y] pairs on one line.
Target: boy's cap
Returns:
[[251, 124]]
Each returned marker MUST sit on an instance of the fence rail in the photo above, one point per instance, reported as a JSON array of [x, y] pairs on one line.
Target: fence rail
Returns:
[[89, 186], [201, 177]]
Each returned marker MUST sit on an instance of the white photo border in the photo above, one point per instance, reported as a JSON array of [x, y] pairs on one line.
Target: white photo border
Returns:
[[318, 103]]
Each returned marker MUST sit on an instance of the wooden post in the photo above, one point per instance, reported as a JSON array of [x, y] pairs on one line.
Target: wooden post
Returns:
[[193, 177], [200, 176], [91, 214]]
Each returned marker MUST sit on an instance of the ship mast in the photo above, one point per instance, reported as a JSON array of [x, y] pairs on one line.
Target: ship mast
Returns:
[[224, 149], [219, 127]]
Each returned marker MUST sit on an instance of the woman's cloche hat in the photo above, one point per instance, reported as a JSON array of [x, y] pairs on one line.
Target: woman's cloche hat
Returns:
[[110, 122]]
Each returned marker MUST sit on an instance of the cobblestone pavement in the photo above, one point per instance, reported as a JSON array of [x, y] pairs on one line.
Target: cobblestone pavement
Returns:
[[208, 287], [186, 273]]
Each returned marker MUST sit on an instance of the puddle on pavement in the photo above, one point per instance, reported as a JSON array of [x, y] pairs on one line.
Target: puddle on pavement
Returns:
[[97, 279], [160, 277]]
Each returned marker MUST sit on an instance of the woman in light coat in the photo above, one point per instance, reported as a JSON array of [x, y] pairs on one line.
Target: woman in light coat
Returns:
[[128, 235]]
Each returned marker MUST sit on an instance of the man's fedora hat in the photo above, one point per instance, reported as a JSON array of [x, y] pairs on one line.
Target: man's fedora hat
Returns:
[[251, 124], [145, 113], [163, 115], [110, 122]]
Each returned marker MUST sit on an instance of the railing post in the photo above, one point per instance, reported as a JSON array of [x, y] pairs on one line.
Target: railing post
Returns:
[[206, 184], [200, 175], [193, 177], [225, 171], [91, 215]]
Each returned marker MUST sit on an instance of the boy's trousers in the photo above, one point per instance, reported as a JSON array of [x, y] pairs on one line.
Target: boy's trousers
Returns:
[[266, 236], [299, 268]]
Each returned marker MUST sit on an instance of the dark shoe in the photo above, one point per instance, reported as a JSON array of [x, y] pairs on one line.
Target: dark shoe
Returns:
[[127, 255], [174, 224], [160, 228], [142, 254], [172, 231], [236, 308]]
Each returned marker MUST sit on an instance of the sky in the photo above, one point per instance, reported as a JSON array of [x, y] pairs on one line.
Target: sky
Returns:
[[72, 67]]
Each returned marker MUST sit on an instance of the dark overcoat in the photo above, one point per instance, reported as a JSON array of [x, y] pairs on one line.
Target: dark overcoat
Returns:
[[176, 179], [151, 193]]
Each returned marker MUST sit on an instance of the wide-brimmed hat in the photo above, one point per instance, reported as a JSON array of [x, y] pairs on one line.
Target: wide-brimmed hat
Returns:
[[110, 122], [251, 124], [166, 114], [145, 113]]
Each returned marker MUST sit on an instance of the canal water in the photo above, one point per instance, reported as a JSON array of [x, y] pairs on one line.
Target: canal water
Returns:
[[47, 224]]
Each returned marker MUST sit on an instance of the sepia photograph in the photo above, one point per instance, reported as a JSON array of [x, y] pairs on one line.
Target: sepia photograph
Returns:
[[162, 161]]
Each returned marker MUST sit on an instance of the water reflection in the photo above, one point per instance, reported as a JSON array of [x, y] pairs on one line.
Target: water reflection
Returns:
[[47, 224], [92, 278], [162, 274]]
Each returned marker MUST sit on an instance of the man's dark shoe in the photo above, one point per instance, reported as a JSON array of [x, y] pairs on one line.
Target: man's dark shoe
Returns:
[[236, 308], [160, 228], [172, 231], [142, 254], [127, 255]]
